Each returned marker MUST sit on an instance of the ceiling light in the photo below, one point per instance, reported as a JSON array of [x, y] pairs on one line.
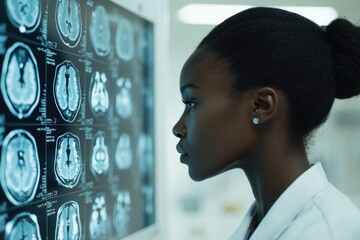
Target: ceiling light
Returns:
[[213, 14]]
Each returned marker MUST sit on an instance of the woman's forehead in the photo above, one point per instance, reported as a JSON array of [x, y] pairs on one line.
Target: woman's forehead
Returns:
[[205, 70]]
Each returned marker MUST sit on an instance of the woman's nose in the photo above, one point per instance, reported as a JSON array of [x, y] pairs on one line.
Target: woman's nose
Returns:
[[179, 130]]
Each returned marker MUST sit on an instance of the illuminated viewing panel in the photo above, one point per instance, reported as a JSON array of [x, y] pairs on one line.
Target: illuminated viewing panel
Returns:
[[76, 120]]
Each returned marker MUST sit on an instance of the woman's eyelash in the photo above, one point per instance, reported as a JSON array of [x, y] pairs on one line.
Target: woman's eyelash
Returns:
[[188, 102]]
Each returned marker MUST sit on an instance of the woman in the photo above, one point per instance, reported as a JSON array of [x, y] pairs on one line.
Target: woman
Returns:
[[255, 89]]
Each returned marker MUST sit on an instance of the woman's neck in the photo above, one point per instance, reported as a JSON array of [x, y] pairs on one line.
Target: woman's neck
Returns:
[[272, 174]]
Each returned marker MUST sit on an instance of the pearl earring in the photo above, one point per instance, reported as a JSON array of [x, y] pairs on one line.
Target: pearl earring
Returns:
[[256, 120]]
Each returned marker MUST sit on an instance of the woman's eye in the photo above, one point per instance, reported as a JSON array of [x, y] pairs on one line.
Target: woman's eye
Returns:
[[189, 104]]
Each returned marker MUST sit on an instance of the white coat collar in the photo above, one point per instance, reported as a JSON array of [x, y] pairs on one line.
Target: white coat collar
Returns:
[[286, 207]]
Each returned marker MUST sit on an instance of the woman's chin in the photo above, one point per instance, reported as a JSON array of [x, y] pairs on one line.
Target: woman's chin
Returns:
[[196, 176], [199, 176]]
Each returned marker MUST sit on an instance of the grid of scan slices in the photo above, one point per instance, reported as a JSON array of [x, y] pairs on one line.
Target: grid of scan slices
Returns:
[[76, 120]]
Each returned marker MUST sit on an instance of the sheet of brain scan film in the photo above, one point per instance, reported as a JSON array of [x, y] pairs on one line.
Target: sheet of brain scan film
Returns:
[[68, 26], [65, 89], [22, 167], [100, 31], [67, 218], [76, 120], [99, 156], [122, 213], [99, 215], [66, 162], [22, 82], [25, 223], [25, 19], [99, 98]]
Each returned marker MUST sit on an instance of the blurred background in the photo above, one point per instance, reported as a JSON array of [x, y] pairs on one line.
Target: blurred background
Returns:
[[214, 208]]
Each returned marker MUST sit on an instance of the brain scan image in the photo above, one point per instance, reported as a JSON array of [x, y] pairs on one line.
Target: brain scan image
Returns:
[[121, 215], [23, 226], [123, 154], [20, 82], [124, 105], [99, 163], [143, 45], [148, 193], [99, 94], [145, 156], [100, 31], [68, 21], [99, 227], [67, 90], [68, 224], [24, 14], [145, 153], [68, 161], [125, 40], [20, 168]]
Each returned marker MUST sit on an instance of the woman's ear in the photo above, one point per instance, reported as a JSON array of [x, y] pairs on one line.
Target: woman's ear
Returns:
[[265, 103]]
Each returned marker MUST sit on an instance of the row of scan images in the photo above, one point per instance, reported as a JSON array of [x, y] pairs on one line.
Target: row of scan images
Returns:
[[25, 225], [20, 87], [20, 165], [26, 15]]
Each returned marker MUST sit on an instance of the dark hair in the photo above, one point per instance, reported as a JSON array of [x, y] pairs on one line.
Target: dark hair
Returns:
[[310, 64]]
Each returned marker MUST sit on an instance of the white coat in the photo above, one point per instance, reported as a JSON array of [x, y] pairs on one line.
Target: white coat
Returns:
[[310, 208]]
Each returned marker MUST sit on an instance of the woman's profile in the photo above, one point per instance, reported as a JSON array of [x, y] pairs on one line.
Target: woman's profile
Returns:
[[255, 90]]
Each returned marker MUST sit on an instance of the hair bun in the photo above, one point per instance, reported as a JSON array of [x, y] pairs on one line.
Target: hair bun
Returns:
[[344, 38]]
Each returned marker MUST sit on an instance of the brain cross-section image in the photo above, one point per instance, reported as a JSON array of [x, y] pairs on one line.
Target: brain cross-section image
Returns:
[[20, 168], [99, 94], [23, 226], [125, 40], [123, 154], [124, 105], [121, 214], [99, 227], [68, 21], [100, 31], [67, 90], [24, 14], [68, 224], [20, 82], [68, 162], [99, 163], [144, 152]]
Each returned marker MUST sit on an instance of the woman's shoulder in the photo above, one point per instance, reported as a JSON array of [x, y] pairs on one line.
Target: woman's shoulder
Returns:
[[329, 215]]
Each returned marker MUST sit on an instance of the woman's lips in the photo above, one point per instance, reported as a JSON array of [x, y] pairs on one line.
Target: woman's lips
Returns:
[[183, 157]]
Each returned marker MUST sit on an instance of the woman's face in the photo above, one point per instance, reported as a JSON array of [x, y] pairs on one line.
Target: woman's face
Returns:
[[215, 129]]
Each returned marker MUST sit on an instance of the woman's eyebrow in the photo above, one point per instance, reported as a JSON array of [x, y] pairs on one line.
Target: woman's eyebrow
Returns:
[[189, 85]]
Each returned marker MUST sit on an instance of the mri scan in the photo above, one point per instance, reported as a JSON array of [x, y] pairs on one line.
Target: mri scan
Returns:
[[68, 161], [121, 215], [99, 227], [67, 90], [125, 40], [76, 119], [68, 21], [20, 168], [68, 223], [123, 154], [99, 163], [99, 94], [145, 153], [24, 14], [148, 193], [23, 226], [124, 105], [100, 34], [20, 82]]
